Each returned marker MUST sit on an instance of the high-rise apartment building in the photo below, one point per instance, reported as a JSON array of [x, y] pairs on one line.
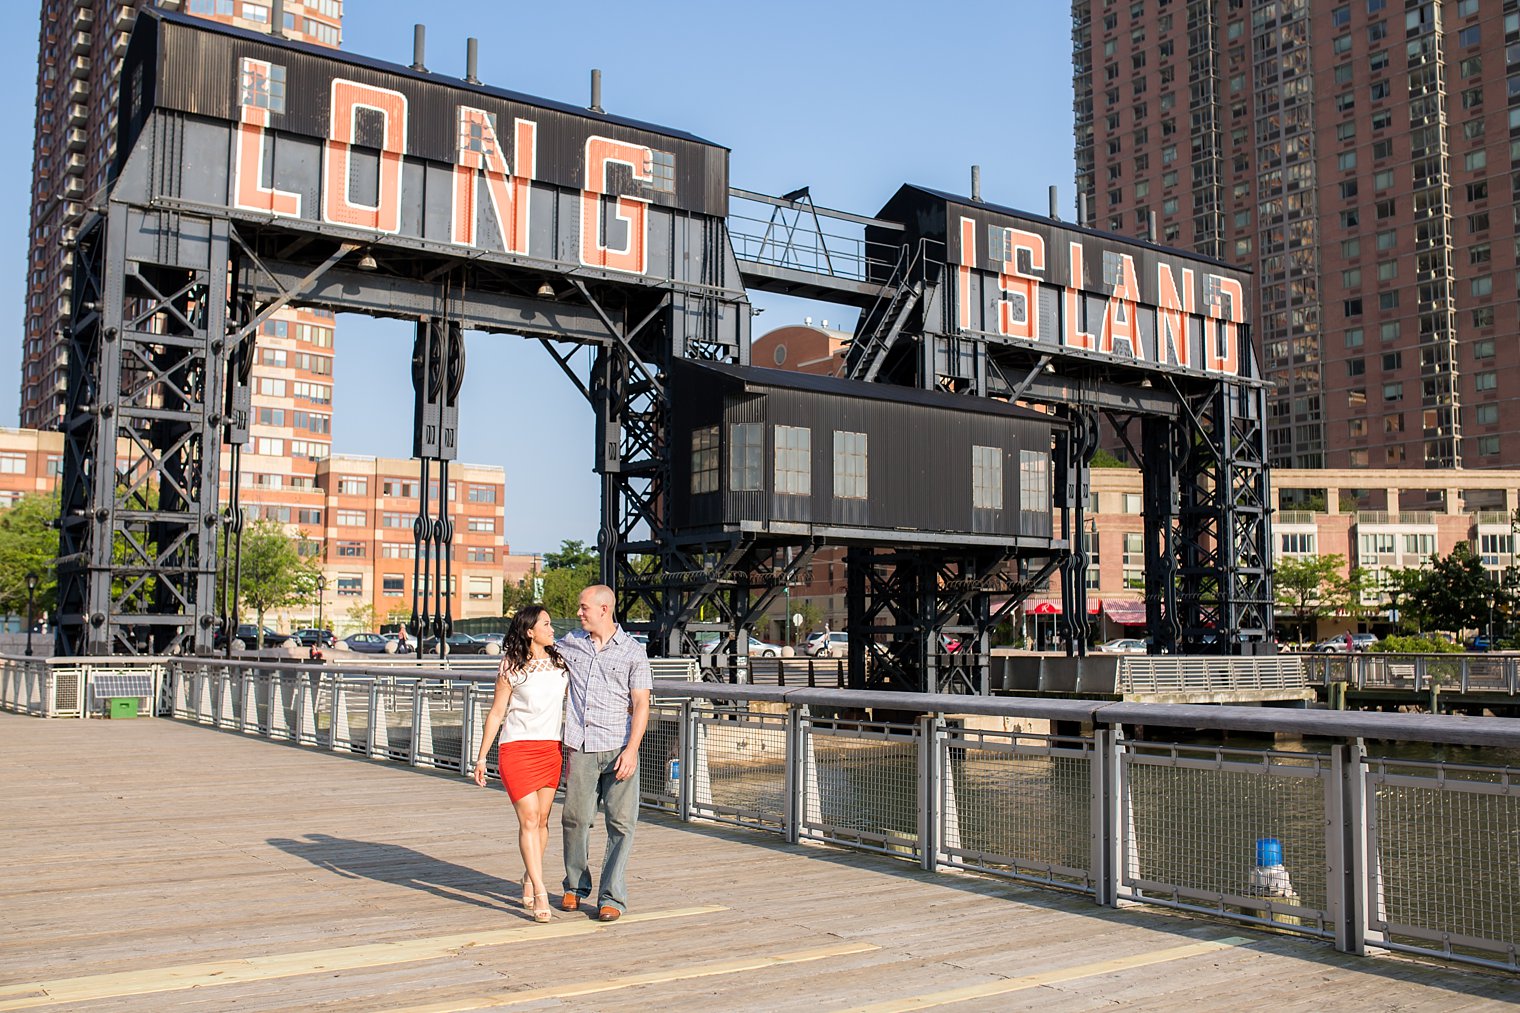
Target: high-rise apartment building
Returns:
[[78, 70], [1358, 157]]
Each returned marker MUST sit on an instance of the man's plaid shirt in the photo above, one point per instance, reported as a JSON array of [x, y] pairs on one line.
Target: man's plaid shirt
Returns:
[[597, 712]]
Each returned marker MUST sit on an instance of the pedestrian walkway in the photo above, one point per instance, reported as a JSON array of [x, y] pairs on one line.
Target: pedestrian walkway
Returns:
[[152, 865]]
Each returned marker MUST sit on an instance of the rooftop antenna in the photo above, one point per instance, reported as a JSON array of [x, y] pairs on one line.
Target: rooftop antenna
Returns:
[[976, 183], [596, 91], [1055, 198]]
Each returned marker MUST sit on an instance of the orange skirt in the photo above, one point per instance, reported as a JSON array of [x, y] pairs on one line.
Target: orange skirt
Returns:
[[529, 765]]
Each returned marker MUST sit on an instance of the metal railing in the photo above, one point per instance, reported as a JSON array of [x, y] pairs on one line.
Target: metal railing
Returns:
[[1420, 673], [1327, 841], [66, 687]]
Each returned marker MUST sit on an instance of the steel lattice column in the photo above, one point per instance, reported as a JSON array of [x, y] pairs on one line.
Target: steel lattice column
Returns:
[[138, 569]]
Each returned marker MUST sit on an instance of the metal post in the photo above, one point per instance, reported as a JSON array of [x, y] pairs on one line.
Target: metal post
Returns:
[[1351, 928], [796, 776], [686, 749], [930, 728], [471, 60], [31, 601]]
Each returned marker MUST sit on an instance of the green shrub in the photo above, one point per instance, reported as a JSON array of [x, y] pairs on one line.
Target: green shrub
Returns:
[[1416, 645]]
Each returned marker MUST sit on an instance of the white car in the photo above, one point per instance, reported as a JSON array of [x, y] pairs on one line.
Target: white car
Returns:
[[760, 649], [1124, 645], [830, 645]]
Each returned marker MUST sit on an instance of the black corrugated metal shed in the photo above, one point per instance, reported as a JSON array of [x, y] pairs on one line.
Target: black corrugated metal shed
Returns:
[[915, 448]]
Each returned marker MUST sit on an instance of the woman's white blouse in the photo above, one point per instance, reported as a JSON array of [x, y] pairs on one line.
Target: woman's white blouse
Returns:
[[537, 709]]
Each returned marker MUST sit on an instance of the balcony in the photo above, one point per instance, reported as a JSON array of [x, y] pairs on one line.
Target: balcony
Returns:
[[79, 68], [84, 18], [79, 44]]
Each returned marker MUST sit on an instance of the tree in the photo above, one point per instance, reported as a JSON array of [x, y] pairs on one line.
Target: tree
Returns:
[[1309, 587], [563, 587], [361, 617], [1106, 459], [274, 573], [1458, 593], [28, 544], [571, 554], [1405, 589]]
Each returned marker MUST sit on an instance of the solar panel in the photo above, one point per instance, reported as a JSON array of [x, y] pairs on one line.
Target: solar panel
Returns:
[[108, 685]]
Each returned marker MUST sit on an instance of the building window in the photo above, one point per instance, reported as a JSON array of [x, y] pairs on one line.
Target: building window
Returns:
[[482, 493], [350, 587], [987, 478], [1132, 503], [393, 587], [398, 488], [1488, 446], [704, 460], [476, 554], [395, 520], [309, 515], [849, 465], [12, 464], [351, 549], [351, 518], [794, 461], [353, 487], [746, 456], [1486, 380], [486, 524], [1298, 542], [1034, 482]]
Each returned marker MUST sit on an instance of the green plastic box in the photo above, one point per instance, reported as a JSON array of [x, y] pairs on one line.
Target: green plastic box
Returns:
[[123, 707]]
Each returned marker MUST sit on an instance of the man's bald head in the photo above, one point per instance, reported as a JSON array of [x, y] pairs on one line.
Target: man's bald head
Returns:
[[596, 611]]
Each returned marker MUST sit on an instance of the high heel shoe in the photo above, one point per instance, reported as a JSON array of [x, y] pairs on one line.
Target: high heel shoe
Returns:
[[542, 914], [527, 894]]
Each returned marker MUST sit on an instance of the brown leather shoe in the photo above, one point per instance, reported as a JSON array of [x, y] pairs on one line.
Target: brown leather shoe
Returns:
[[608, 914], [569, 902]]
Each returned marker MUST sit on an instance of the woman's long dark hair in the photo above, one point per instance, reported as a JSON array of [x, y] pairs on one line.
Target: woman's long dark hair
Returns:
[[517, 647]]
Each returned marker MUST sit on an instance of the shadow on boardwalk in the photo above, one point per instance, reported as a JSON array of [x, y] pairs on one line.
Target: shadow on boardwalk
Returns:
[[400, 866]]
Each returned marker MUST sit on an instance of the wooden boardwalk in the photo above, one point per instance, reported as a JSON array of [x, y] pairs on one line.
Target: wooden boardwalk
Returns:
[[151, 865]]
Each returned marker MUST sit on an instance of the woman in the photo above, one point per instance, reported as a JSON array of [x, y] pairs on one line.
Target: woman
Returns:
[[530, 698]]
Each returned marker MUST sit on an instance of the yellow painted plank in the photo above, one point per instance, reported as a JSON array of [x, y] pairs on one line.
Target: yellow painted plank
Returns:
[[499, 1000], [285, 965], [1005, 986]]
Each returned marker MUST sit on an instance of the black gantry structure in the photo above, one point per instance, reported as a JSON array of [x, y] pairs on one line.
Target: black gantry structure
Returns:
[[949, 464]]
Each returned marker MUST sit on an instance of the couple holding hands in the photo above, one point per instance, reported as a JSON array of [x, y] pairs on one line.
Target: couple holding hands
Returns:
[[581, 702]]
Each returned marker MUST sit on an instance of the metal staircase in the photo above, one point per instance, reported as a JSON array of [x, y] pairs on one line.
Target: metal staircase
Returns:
[[880, 326]]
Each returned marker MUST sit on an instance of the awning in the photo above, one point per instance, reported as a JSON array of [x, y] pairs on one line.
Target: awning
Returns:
[[1125, 613], [1053, 608]]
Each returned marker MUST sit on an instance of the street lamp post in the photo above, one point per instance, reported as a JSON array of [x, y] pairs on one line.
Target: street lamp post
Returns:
[[321, 587], [31, 599]]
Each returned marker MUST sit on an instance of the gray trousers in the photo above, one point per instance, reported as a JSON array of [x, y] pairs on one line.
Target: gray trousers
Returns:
[[590, 781]]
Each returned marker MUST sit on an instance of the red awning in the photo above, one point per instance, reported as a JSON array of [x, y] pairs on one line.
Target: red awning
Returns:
[[1053, 608], [1125, 613]]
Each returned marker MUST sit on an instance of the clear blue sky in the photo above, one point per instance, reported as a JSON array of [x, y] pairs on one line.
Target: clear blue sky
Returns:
[[849, 98]]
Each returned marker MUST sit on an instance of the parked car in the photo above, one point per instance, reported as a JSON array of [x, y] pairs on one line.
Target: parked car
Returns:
[[247, 638], [1480, 643], [1123, 645], [462, 643], [828, 645], [308, 637], [760, 649], [369, 643], [1337, 645]]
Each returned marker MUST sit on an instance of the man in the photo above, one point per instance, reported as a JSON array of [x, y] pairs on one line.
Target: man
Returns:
[[605, 717]]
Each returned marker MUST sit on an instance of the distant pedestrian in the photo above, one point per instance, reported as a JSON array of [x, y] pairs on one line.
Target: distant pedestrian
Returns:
[[1350, 642], [605, 717], [530, 702]]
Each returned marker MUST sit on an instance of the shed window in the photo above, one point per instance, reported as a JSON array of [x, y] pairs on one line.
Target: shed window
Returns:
[[849, 465], [1034, 482], [794, 453], [987, 478], [746, 456], [704, 460]]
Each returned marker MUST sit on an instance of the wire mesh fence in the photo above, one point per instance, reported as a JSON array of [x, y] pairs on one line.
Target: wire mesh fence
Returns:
[[739, 760], [1235, 832], [1018, 805], [860, 785], [1444, 858], [659, 781]]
